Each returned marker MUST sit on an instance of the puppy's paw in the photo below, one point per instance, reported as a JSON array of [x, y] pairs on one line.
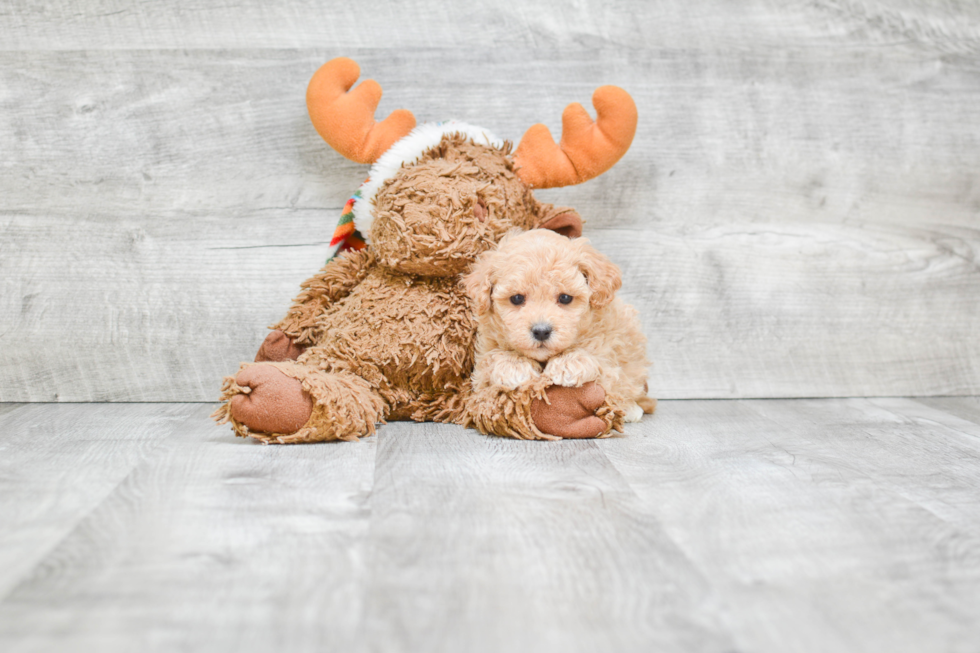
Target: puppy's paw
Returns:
[[511, 372], [633, 413], [572, 369]]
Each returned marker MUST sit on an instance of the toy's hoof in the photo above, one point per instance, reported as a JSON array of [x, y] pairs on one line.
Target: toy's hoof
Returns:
[[276, 404], [277, 347], [571, 412]]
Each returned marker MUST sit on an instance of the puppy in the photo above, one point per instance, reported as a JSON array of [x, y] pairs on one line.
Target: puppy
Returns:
[[546, 306]]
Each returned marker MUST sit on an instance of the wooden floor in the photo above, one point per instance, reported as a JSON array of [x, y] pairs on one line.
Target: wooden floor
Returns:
[[753, 525]]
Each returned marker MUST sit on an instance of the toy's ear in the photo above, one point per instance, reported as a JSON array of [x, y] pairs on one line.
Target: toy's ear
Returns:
[[479, 283], [562, 220], [602, 275]]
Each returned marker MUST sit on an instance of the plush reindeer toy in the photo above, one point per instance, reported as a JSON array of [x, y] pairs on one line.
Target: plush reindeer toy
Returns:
[[385, 332]]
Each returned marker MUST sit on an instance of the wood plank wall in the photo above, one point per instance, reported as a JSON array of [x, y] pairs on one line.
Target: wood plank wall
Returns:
[[799, 214]]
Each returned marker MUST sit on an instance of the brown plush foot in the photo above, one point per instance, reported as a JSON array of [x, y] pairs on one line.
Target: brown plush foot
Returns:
[[276, 404], [277, 347], [571, 413]]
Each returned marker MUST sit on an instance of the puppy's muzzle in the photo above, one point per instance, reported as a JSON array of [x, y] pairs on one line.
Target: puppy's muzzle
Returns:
[[541, 331]]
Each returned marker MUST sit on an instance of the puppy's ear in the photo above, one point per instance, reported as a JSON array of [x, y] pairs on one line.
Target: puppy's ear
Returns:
[[602, 275], [478, 283], [562, 220]]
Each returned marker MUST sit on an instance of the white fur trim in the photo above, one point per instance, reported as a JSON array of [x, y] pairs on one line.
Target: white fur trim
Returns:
[[406, 152]]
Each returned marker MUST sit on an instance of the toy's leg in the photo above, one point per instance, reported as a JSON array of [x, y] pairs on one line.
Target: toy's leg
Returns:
[[276, 347], [575, 412], [270, 401], [506, 413], [290, 402], [542, 413]]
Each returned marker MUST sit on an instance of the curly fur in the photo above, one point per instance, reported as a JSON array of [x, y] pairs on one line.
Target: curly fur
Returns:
[[388, 332], [516, 289]]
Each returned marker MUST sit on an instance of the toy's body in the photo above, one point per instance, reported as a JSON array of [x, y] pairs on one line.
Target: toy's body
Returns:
[[397, 346], [411, 335], [386, 332]]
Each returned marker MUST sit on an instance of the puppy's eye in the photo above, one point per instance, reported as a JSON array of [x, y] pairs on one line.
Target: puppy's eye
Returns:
[[565, 299], [517, 300]]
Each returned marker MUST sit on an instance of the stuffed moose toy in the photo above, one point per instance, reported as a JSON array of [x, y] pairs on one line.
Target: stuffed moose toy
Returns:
[[385, 331]]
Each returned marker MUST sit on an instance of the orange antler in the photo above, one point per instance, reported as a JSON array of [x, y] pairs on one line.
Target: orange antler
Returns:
[[587, 148], [345, 119]]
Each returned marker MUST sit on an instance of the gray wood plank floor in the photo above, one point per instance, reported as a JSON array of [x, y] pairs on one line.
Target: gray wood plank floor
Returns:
[[753, 525]]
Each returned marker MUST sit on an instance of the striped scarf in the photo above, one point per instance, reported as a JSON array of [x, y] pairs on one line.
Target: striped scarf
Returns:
[[346, 236]]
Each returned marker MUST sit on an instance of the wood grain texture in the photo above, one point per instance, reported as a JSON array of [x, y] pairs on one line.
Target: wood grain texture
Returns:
[[58, 463], [822, 524], [798, 215], [211, 543], [487, 544], [117, 24], [6, 408], [967, 408], [753, 525]]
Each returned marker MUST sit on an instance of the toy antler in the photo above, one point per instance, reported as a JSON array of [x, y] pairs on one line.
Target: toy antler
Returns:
[[587, 148], [345, 119]]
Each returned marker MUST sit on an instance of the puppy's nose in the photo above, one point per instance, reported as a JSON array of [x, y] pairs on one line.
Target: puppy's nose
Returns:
[[541, 331]]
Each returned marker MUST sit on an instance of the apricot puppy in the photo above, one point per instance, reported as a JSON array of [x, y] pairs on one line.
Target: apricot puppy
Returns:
[[546, 306]]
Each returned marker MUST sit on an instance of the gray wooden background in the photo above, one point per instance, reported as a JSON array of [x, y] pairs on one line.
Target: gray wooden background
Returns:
[[799, 214]]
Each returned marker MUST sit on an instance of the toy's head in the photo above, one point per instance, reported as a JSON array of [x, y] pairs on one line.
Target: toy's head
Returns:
[[440, 194]]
